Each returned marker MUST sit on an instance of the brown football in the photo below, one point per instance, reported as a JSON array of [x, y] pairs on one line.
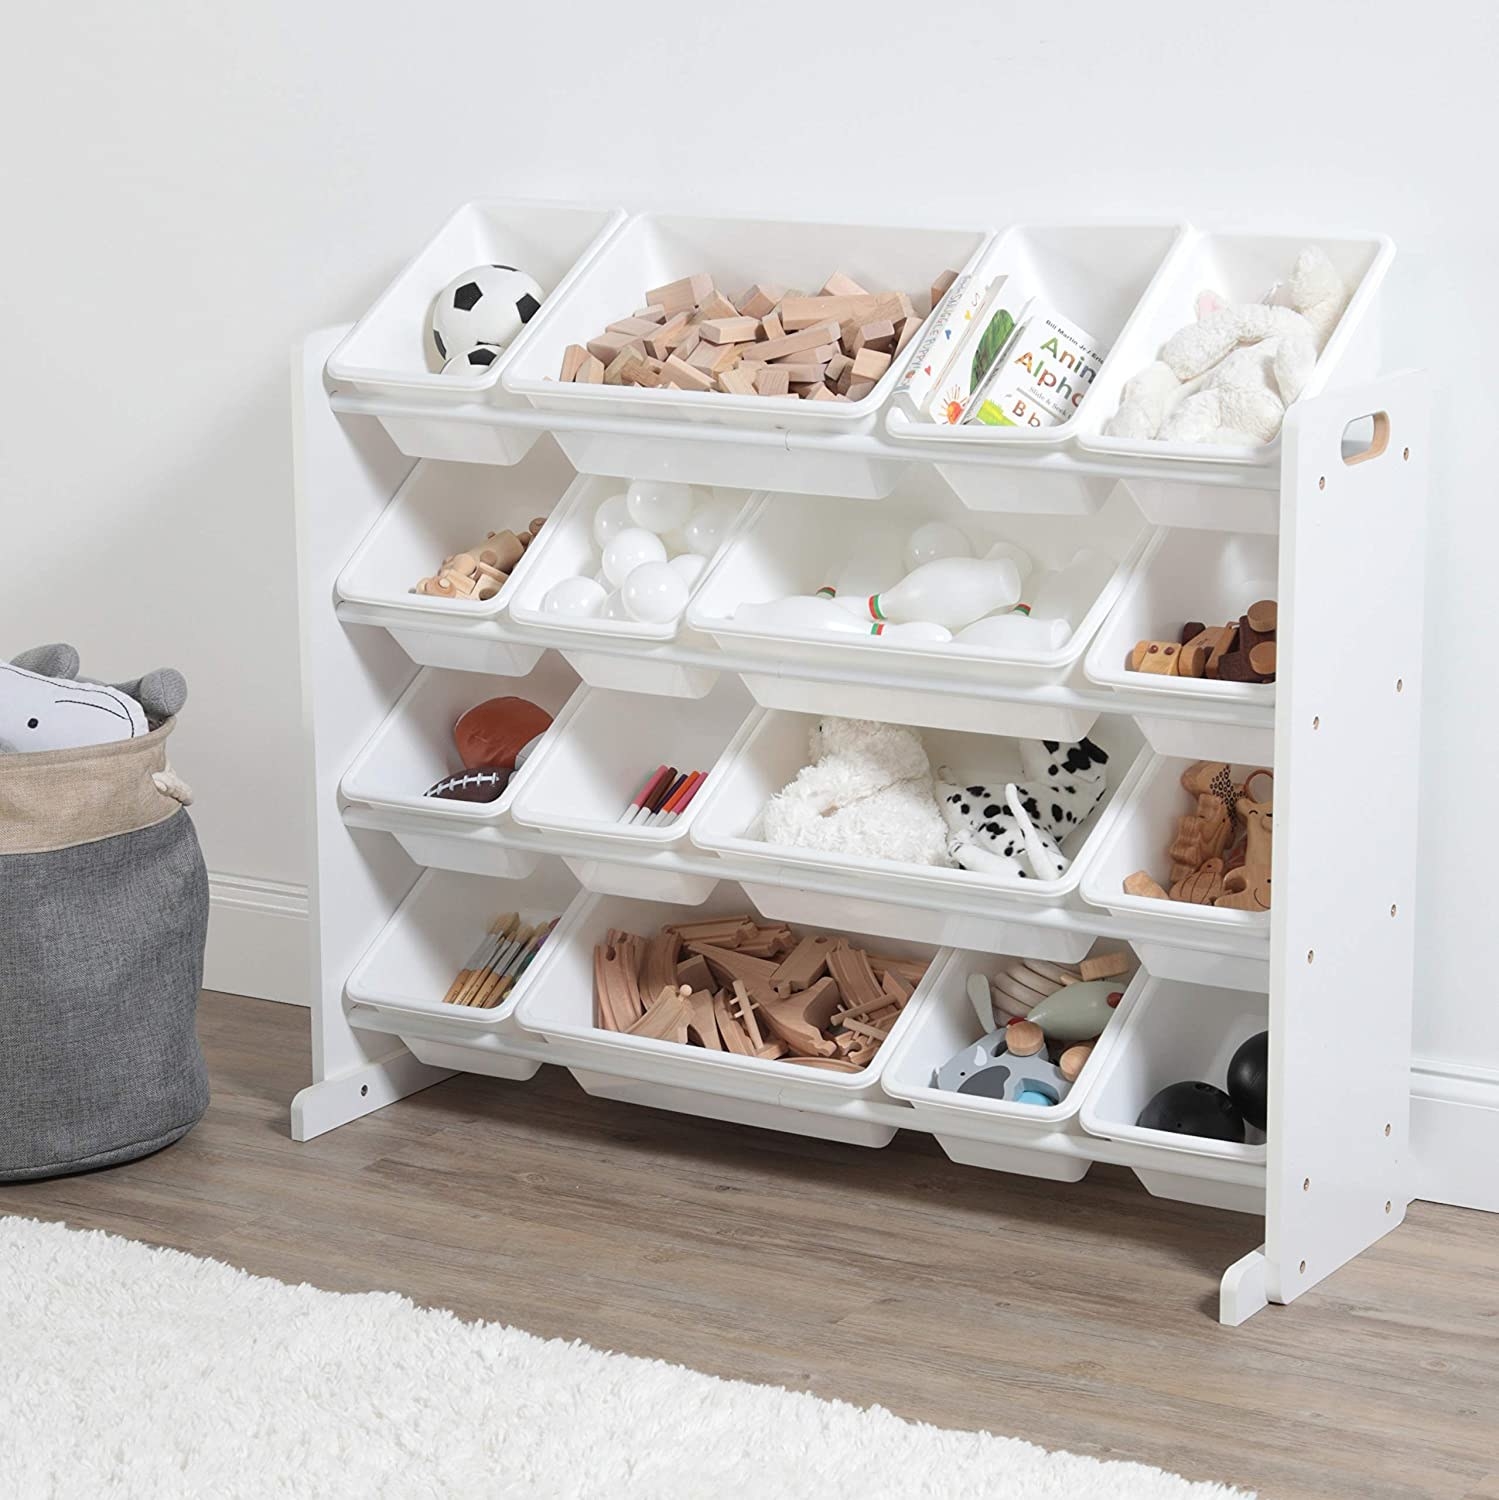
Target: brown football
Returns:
[[483, 785], [491, 733]]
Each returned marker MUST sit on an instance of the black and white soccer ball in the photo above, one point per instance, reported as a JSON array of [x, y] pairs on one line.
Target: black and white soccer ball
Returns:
[[472, 361], [485, 305]]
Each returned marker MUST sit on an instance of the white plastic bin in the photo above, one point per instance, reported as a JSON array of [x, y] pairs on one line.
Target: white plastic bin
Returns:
[[409, 967], [631, 659], [992, 909], [789, 547], [441, 509], [1241, 268], [1032, 1139], [1137, 840], [653, 249], [605, 745], [558, 1004], [1095, 276], [413, 749], [389, 350], [1191, 575], [1177, 1033]]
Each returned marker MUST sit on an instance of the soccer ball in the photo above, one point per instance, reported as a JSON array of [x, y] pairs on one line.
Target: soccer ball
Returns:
[[473, 361], [485, 305]]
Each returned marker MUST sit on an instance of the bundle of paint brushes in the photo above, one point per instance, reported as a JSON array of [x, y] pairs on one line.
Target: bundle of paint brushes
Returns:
[[663, 797], [496, 964]]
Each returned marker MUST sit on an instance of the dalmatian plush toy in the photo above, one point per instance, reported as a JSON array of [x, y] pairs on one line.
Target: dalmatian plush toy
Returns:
[[1018, 830]]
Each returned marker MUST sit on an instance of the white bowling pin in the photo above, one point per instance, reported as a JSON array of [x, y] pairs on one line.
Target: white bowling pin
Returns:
[[952, 591], [1015, 631], [802, 612], [914, 633]]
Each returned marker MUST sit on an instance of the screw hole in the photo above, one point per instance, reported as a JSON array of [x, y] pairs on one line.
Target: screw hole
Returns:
[[1322, 482], [1303, 1268], [1388, 1205], [1400, 684], [1306, 1184], [364, 1088], [1392, 908], [1316, 721], [1311, 953], [1406, 454], [1387, 1130]]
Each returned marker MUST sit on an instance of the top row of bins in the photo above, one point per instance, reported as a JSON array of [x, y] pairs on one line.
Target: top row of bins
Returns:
[[1131, 285]]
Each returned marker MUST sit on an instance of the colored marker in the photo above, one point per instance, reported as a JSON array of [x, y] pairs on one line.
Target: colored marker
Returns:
[[641, 797]]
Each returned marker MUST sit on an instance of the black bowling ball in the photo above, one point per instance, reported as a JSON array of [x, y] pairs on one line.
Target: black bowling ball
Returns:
[[1194, 1109], [1249, 1078]]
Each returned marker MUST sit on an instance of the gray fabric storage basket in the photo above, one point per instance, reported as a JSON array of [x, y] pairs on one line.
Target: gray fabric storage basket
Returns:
[[103, 919]]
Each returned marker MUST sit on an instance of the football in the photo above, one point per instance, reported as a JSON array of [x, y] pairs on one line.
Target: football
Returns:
[[485, 305], [473, 361], [483, 785]]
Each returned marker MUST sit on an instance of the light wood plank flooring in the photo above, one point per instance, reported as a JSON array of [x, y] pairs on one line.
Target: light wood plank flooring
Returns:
[[1077, 1317]]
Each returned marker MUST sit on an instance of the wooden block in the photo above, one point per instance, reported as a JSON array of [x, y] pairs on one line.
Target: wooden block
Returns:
[[869, 364], [614, 372], [634, 327], [1159, 658], [1193, 661], [695, 973], [838, 365], [772, 381], [818, 392], [796, 372], [1226, 640], [590, 372], [716, 306], [720, 357], [803, 966], [1262, 616], [841, 285], [941, 284], [688, 347], [609, 346], [681, 296], [877, 335], [1262, 659], [1142, 883], [731, 330], [1190, 631], [803, 312], [905, 331], [655, 313], [1234, 666], [821, 355], [809, 337], [572, 361], [737, 381], [679, 373], [644, 372], [1105, 966], [770, 327], [858, 389], [760, 299], [666, 338]]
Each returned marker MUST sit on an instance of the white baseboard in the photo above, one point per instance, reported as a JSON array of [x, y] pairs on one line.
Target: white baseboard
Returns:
[[258, 936], [1455, 1134]]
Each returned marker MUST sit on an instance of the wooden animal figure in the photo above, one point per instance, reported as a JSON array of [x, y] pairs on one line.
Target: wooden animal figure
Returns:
[[1203, 887], [1202, 835], [1248, 887]]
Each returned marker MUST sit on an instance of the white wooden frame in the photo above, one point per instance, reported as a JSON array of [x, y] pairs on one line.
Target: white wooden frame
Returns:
[[1338, 963]]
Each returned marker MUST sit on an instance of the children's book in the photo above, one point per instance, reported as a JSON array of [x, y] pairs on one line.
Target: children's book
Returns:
[[1046, 371]]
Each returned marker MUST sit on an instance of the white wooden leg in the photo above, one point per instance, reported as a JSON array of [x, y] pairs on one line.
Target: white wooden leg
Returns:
[[1241, 1293], [335, 1101]]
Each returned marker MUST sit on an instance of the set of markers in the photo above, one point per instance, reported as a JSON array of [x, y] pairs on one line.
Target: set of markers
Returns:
[[495, 965], [663, 798]]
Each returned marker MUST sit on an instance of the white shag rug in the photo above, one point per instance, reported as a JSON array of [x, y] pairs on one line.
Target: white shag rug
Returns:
[[131, 1371]]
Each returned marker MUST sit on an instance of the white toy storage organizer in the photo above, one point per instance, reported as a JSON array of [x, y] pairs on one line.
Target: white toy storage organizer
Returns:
[[395, 469]]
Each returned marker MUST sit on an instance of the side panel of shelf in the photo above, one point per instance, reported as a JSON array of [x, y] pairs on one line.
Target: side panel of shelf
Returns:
[[345, 472], [1346, 805]]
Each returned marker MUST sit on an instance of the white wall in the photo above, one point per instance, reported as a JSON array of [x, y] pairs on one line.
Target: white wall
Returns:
[[189, 187]]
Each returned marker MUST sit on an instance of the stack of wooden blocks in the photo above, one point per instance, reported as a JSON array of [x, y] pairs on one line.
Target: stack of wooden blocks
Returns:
[[480, 572], [732, 984], [831, 346], [1241, 651]]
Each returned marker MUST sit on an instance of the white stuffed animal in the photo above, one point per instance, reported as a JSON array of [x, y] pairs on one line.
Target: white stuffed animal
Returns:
[[1229, 377], [868, 791], [45, 705]]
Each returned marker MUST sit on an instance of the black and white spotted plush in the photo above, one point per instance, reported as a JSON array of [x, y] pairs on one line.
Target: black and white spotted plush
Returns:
[[1018, 829]]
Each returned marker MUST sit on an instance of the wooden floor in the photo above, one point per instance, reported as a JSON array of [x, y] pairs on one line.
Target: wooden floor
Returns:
[[1079, 1317]]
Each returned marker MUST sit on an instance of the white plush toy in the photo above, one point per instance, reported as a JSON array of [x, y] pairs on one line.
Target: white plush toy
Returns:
[[868, 791], [45, 705], [1229, 377]]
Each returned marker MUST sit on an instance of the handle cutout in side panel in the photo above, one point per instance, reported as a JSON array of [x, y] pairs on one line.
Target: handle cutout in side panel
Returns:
[[1366, 437]]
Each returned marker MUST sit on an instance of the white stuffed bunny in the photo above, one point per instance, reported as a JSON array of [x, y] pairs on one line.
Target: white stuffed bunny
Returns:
[[1229, 377], [868, 792]]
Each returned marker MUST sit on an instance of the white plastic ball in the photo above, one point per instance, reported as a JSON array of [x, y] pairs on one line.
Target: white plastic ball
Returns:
[[705, 529], [690, 566], [485, 305], [614, 607], [578, 597], [659, 505], [627, 550], [654, 592], [936, 539], [611, 518]]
